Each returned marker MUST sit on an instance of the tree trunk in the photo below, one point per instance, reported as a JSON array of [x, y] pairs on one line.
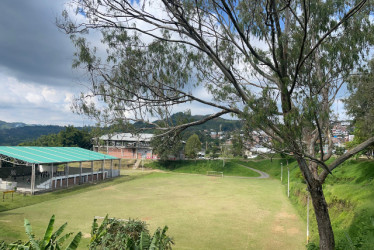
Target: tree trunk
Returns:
[[326, 235]]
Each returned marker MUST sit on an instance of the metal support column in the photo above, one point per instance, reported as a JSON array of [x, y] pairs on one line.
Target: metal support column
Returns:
[[80, 173], [32, 179], [111, 168], [119, 166], [52, 176], [102, 169], [67, 174], [92, 170]]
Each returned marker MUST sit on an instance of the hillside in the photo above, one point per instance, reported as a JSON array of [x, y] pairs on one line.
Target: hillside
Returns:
[[8, 125], [216, 124], [12, 134], [349, 193], [16, 135]]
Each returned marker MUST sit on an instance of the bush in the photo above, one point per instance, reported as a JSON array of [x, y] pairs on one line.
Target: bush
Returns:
[[111, 234], [132, 234]]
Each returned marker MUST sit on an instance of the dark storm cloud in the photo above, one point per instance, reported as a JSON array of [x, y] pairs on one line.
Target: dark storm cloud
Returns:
[[31, 46]]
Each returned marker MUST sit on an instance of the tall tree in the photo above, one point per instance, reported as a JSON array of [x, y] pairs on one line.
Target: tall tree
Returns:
[[275, 64], [237, 145], [193, 146]]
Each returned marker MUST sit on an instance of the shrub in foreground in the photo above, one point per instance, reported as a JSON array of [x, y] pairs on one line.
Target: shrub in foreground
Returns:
[[51, 240], [128, 235], [111, 234]]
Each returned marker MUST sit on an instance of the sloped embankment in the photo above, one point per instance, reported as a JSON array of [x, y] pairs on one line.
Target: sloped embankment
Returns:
[[349, 193]]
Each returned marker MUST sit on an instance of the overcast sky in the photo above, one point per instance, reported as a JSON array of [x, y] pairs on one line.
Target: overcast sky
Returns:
[[37, 82]]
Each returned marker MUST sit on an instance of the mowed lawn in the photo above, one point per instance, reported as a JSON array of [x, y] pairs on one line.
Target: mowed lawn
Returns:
[[201, 212]]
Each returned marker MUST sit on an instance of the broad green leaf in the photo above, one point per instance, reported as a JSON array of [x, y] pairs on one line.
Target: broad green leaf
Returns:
[[74, 244], [49, 232]]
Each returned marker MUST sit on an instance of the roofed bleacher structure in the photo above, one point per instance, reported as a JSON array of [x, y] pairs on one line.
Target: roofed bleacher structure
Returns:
[[34, 169]]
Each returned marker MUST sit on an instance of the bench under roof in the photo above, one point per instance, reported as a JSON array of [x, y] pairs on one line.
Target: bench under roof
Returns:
[[48, 155]]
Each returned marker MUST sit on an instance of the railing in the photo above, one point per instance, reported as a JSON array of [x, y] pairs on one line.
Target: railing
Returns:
[[48, 184], [8, 185]]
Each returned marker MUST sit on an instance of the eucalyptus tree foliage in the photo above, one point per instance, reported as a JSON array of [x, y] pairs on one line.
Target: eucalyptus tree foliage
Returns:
[[275, 64]]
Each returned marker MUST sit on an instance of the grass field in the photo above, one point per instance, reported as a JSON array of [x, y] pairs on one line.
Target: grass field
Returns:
[[230, 168], [202, 212]]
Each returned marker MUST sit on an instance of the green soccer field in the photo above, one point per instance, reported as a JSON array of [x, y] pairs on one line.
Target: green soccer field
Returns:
[[201, 212]]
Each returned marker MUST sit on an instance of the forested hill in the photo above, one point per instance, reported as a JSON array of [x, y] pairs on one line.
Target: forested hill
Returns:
[[6, 125], [216, 124], [13, 135]]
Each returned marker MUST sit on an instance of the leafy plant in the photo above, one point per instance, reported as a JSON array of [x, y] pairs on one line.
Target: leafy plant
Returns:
[[3, 245], [51, 240], [132, 234]]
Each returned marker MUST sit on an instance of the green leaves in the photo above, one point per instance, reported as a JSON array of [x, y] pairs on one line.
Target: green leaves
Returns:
[[75, 242], [128, 235], [193, 146], [50, 240]]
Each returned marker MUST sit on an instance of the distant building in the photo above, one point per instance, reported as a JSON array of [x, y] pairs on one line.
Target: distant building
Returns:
[[125, 145], [341, 133]]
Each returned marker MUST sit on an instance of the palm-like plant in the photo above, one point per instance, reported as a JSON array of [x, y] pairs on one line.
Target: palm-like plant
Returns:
[[50, 241]]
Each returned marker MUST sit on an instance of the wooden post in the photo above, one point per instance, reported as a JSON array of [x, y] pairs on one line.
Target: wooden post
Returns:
[[92, 170], [80, 173], [111, 168], [32, 179]]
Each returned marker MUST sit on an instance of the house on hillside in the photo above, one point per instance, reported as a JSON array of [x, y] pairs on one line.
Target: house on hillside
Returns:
[[125, 145]]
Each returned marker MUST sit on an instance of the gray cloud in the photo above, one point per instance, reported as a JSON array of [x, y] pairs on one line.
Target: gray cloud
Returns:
[[37, 81], [31, 47]]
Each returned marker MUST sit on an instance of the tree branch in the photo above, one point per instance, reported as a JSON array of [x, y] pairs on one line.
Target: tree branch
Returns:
[[346, 156]]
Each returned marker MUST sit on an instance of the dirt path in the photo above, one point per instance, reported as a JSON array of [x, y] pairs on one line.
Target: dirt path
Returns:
[[263, 175]]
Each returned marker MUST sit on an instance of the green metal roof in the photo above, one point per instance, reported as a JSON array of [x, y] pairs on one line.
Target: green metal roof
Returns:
[[40, 155]]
